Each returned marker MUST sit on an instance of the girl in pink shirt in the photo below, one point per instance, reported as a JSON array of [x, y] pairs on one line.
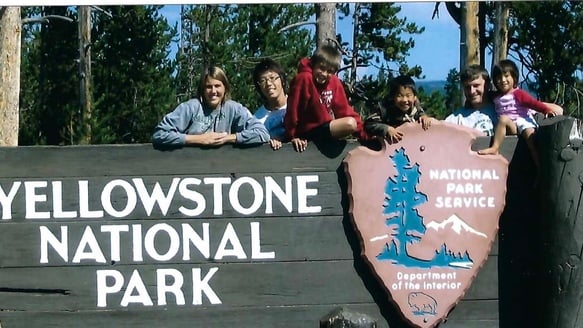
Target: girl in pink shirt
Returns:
[[515, 108]]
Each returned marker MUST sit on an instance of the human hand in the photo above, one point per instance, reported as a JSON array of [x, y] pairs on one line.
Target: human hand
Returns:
[[394, 135], [425, 122], [554, 113], [555, 109], [214, 138], [299, 144], [275, 144]]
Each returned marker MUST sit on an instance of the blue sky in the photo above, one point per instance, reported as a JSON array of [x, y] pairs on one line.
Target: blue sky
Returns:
[[436, 50]]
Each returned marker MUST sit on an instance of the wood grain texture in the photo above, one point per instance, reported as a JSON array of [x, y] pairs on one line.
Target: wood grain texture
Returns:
[[317, 265]]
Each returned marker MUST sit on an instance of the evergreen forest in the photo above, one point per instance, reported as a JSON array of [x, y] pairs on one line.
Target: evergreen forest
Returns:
[[135, 78]]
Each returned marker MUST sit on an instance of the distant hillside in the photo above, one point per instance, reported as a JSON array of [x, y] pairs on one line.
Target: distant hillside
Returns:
[[430, 86]]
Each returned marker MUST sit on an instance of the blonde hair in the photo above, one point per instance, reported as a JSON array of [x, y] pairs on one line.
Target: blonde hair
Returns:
[[216, 73]]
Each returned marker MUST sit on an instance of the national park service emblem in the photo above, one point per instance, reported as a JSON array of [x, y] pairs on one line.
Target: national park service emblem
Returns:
[[426, 211]]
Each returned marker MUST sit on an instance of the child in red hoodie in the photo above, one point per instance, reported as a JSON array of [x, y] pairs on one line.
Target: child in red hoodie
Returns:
[[317, 106]]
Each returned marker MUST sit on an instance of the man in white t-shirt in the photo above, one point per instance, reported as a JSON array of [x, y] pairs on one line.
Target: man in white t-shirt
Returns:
[[478, 111]]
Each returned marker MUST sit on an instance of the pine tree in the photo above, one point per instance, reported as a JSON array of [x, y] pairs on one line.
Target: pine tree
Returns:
[[378, 43], [58, 79], [29, 82], [547, 38], [379, 37], [401, 201], [242, 36], [132, 75], [453, 93], [434, 103]]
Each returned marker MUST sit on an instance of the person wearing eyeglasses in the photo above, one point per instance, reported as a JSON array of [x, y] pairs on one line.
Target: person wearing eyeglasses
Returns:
[[317, 106], [211, 119], [270, 82]]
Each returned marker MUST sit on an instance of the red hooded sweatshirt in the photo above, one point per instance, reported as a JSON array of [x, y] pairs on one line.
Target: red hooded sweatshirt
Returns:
[[310, 105]]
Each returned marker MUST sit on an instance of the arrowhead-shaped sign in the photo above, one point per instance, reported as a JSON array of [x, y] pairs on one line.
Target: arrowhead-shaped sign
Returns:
[[426, 210]]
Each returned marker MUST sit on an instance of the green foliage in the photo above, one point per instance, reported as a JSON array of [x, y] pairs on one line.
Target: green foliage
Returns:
[[132, 75], [368, 92], [570, 97], [381, 37], [433, 104], [29, 80], [382, 41], [241, 36], [547, 38], [57, 80], [453, 93], [134, 83]]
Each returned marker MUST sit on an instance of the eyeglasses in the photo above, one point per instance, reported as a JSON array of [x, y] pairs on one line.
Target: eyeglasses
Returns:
[[271, 79]]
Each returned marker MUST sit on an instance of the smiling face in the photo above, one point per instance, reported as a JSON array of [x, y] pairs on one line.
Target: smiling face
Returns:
[[271, 85], [322, 72], [405, 99], [505, 83], [214, 91], [474, 91]]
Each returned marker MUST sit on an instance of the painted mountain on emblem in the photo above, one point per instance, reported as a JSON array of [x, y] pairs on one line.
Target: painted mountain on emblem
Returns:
[[455, 224]]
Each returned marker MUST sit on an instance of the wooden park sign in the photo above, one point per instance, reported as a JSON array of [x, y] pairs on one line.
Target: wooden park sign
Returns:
[[426, 210], [127, 236]]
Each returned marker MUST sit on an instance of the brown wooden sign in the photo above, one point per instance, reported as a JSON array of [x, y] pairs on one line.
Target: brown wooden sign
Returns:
[[426, 210], [126, 235]]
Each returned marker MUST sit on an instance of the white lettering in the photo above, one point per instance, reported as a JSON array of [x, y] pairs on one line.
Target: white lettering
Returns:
[[257, 195], [103, 289], [464, 202], [95, 253], [256, 252], [151, 236], [6, 200], [464, 188], [84, 210], [58, 203], [230, 236], [157, 196], [202, 286], [32, 198], [190, 236], [464, 174], [137, 242], [136, 284], [304, 192], [132, 198], [59, 245], [272, 188], [191, 195], [114, 238], [175, 288], [217, 192]]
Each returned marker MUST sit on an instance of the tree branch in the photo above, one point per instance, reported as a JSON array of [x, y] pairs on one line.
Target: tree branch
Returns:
[[335, 42], [45, 19], [435, 10], [103, 11], [288, 27]]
